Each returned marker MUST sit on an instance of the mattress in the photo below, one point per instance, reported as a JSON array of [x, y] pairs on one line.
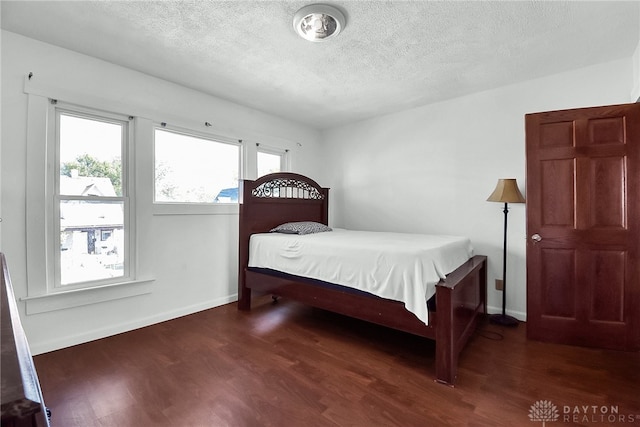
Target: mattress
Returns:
[[398, 266]]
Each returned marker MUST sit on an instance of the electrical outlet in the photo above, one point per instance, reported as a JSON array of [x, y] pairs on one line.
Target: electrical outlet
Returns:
[[499, 285]]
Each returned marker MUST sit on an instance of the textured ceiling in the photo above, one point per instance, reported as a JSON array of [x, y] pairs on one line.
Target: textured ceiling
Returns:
[[392, 55]]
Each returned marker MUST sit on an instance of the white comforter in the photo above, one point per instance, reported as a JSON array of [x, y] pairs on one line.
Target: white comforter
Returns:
[[397, 266]]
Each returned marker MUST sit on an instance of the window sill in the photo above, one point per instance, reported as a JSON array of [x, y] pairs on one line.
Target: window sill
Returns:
[[79, 297], [195, 209]]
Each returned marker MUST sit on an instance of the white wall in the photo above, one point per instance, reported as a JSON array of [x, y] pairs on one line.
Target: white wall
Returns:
[[431, 169], [193, 258], [635, 93]]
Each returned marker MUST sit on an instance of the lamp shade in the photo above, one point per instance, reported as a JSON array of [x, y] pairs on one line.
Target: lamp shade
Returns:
[[506, 192]]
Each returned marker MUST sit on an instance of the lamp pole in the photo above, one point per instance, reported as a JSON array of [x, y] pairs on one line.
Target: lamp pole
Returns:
[[503, 319], [504, 262]]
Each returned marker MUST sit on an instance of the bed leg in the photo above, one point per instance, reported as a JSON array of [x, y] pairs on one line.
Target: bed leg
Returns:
[[446, 371], [244, 299], [446, 357]]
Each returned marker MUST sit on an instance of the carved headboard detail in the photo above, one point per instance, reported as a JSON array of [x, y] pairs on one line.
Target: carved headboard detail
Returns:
[[288, 186]]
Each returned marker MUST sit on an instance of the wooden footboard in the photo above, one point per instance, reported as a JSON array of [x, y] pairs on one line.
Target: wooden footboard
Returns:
[[460, 302]]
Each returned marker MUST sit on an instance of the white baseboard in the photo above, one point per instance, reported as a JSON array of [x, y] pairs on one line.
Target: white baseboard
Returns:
[[68, 341], [522, 316]]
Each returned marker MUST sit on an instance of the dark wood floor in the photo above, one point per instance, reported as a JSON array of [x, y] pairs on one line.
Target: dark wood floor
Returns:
[[288, 365]]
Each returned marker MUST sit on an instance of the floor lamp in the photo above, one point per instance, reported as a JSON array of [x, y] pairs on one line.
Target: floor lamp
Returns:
[[506, 192]]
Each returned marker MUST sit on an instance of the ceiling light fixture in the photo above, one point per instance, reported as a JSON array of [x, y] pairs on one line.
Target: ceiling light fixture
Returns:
[[318, 22]]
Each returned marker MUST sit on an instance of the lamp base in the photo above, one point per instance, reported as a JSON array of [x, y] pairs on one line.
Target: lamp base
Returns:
[[503, 320]]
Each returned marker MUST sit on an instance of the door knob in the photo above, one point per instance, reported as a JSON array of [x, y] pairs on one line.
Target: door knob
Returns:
[[536, 237]]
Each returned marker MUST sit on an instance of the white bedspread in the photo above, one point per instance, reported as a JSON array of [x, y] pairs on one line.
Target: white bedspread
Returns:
[[397, 266]]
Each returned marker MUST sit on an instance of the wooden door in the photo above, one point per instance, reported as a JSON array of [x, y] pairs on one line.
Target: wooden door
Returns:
[[583, 225]]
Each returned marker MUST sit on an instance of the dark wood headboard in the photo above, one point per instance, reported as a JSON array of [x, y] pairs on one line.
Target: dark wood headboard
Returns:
[[273, 200]]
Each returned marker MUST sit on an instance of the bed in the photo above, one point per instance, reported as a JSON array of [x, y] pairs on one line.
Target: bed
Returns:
[[450, 317]]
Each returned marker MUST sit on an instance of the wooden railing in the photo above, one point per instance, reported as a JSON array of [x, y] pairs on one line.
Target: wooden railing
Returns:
[[22, 402]]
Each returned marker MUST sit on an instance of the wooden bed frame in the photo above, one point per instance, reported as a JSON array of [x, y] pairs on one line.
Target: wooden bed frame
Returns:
[[285, 197]]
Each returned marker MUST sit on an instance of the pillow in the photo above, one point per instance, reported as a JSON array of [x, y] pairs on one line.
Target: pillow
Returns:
[[302, 227]]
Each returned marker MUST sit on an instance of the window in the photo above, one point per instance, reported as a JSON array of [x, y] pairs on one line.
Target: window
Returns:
[[91, 201], [192, 168], [271, 160], [80, 239]]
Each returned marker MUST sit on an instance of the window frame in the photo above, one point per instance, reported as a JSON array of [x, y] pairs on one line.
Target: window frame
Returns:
[[281, 152], [60, 109], [42, 296], [182, 207]]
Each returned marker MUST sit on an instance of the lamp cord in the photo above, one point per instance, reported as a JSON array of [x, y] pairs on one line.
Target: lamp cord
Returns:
[[490, 335]]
